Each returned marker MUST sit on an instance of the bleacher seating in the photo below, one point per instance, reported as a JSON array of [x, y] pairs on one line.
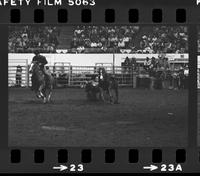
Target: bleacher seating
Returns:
[[28, 38], [98, 39]]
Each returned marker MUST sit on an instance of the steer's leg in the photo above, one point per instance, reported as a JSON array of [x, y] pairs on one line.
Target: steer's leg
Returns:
[[49, 96], [40, 92]]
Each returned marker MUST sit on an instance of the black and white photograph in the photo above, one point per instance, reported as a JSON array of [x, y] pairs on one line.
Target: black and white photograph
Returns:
[[98, 86]]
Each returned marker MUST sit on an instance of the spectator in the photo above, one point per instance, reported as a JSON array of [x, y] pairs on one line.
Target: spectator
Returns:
[[147, 64], [18, 76]]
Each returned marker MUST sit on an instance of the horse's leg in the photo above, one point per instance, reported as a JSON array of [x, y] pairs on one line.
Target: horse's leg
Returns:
[[45, 99], [49, 96], [101, 94], [37, 94], [42, 93], [48, 88], [110, 95]]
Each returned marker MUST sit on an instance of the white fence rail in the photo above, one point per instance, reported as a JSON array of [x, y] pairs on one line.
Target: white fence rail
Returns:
[[12, 70], [70, 76]]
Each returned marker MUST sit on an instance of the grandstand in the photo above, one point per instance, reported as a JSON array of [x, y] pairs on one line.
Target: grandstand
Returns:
[[98, 39], [26, 39]]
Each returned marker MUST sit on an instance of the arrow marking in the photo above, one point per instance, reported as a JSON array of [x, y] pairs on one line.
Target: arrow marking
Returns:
[[61, 168], [151, 167]]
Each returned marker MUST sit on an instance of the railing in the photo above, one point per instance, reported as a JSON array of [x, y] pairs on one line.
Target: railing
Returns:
[[76, 76], [12, 77], [73, 76], [13, 80]]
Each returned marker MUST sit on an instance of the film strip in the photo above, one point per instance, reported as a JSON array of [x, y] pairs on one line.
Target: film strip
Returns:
[[90, 86]]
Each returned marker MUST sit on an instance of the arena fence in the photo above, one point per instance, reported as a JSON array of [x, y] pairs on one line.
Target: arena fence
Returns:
[[67, 75], [71, 76], [12, 72]]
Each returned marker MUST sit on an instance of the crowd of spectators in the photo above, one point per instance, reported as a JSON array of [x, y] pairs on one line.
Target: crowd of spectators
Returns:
[[125, 38], [118, 39], [165, 40], [28, 38], [104, 37], [160, 71]]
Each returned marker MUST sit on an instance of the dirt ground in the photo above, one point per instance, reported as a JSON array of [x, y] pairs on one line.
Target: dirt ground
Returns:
[[144, 118]]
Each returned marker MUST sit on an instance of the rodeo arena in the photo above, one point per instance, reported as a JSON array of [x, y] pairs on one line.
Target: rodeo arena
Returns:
[[144, 104]]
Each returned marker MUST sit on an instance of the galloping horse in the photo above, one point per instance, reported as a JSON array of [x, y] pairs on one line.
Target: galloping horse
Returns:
[[42, 83], [109, 85]]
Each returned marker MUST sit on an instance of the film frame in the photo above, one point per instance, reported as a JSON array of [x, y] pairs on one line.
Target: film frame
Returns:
[[188, 156]]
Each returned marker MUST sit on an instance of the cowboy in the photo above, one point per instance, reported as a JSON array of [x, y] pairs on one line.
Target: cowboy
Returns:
[[41, 60]]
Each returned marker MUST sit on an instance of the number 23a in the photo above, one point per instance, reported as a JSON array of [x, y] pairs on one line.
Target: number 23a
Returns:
[[170, 168]]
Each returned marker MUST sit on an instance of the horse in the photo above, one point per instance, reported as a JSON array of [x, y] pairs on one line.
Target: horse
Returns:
[[42, 83], [108, 85]]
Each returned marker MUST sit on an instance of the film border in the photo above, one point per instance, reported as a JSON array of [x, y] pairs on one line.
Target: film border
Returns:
[[192, 158]]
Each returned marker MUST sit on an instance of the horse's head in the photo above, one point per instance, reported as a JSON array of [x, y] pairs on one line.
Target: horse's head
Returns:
[[102, 70], [102, 73], [34, 67]]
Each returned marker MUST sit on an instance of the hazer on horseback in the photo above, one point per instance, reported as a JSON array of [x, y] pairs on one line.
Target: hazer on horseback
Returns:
[[108, 85], [42, 80]]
